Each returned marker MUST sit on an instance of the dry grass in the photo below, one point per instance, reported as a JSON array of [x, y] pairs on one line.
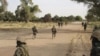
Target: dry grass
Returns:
[[24, 25]]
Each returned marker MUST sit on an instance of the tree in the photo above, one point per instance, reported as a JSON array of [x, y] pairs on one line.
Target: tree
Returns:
[[71, 18], [2, 16], [91, 17], [78, 18], [26, 11], [94, 6], [9, 16], [92, 3], [47, 18], [55, 18], [3, 5]]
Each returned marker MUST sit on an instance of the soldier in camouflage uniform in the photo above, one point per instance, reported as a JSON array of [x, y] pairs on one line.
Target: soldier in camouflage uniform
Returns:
[[95, 51], [34, 29], [85, 26], [95, 37], [54, 31], [21, 48]]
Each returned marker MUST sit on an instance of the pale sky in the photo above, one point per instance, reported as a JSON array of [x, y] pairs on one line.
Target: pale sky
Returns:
[[54, 7]]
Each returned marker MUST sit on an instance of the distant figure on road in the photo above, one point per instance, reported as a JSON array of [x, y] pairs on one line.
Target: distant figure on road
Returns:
[[59, 24], [21, 48], [85, 26], [54, 31], [34, 29], [82, 23]]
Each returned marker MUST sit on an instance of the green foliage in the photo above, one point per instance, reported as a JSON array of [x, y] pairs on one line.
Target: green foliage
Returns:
[[1, 9], [62, 18], [78, 18], [47, 18], [2, 17], [55, 18], [26, 11], [90, 17], [4, 5], [71, 18], [7, 16], [94, 6], [10, 16], [34, 9]]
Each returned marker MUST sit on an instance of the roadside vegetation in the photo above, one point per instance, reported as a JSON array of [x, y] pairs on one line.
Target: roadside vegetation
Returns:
[[95, 23], [25, 25], [25, 16]]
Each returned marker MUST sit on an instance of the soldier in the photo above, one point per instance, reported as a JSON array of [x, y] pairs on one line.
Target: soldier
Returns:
[[59, 24], [54, 31], [85, 26], [95, 27], [82, 23], [34, 29], [95, 51], [95, 37], [21, 48], [94, 40]]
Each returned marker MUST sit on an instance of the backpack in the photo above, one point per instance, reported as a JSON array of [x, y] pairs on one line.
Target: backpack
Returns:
[[21, 51]]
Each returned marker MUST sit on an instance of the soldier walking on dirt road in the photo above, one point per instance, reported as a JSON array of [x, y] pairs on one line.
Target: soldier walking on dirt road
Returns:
[[82, 23], [21, 48], [34, 29], [85, 26], [59, 24], [54, 31]]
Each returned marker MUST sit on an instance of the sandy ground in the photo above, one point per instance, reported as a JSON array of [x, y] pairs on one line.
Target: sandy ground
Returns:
[[71, 40]]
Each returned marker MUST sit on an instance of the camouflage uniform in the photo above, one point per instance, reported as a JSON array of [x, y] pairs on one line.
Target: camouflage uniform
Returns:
[[34, 31], [85, 26], [95, 27], [95, 51], [21, 49], [95, 37], [54, 31]]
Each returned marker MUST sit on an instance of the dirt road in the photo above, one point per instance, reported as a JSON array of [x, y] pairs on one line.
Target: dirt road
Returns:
[[71, 40]]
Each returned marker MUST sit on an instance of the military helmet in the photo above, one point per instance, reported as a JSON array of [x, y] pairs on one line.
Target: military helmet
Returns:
[[21, 39]]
